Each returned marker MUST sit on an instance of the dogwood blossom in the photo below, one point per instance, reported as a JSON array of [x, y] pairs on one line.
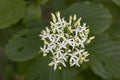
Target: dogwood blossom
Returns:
[[65, 41]]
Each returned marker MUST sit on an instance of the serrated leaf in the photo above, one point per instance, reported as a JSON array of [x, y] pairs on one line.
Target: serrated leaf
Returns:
[[33, 14], [11, 11], [96, 16], [24, 45], [116, 2], [105, 57], [40, 70]]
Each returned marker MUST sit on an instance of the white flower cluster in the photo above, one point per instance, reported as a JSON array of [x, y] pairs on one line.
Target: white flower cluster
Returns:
[[65, 41]]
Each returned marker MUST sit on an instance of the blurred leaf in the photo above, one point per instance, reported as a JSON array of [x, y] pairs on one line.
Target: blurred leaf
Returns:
[[58, 5], [23, 66], [3, 62], [6, 34], [38, 23], [87, 74], [95, 15], [105, 66], [70, 2], [97, 65], [114, 9], [11, 11], [24, 45], [116, 2], [105, 57], [41, 1], [8, 74], [2, 58], [114, 30], [109, 47], [40, 70], [101, 0], [71, 73], [33, 14]]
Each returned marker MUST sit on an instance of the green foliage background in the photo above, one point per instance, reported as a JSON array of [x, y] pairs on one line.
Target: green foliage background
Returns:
[[21, 21]]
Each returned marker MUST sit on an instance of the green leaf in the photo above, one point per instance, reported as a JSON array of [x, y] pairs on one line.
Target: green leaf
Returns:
[[6, 34], [105, 56], [11, 11], [87, 74], [8, 73], [33, 14], [41, 1], [114, 30], [24, 45], [58, 4], [96, 63], [109, 47], [40, 70], [38, 23], [95, 15], [116, 2], [3, 60]]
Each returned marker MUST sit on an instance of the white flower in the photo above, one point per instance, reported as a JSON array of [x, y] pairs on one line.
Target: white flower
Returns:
[[75, 62], [74, 59], [55, 62], [65, 41], [83, 57], [44, 50]]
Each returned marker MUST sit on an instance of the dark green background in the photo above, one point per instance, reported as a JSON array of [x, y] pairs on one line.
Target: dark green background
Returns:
[[21, 21]]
